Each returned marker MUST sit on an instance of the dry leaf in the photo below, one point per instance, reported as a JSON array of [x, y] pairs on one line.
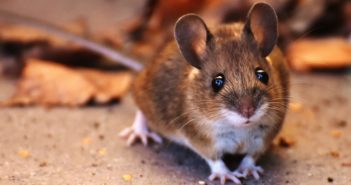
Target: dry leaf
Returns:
[[108, 86], [305, 54], [51, 84]]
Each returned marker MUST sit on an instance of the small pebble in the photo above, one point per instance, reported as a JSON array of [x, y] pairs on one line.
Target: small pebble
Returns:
[[102, 152], [96, 125], [341, 123], [127, 177], [346, 164], [295, 107], [330, 179], [202, 182], [335, 154], [86, 141], [285, 142], [336, 133], [23, 153], [101, 137], [43, 164]]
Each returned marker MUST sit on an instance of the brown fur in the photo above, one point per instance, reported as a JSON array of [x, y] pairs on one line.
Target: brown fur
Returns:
[[174, 103], [177, 97]]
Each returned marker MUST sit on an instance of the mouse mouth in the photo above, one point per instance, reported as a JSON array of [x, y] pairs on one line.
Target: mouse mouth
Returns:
[[247, 123], [236, 119]]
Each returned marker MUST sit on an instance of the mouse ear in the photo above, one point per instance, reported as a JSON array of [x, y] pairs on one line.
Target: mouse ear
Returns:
[[262, 25], [192, 36]]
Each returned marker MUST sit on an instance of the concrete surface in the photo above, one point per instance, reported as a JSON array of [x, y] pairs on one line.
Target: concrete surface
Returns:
[[81, 146]]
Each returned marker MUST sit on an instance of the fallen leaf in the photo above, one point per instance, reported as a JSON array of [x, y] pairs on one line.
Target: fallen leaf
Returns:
[[107, 85], [49, 84], [307, 54]]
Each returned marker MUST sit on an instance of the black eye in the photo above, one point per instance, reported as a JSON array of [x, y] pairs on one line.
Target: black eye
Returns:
[[218, 82], [261, 75]]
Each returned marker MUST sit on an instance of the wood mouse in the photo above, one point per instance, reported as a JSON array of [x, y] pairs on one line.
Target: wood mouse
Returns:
[[216, 90], [220, 90]]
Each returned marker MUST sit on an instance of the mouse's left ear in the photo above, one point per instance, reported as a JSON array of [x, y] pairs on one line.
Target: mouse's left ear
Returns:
[[262, 26]]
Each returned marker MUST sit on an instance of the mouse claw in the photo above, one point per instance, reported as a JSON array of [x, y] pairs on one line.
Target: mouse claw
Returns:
[[220, 171], [131, 139], [125, 132], [156, 138], [139, 131], [144, 136], [224, 177], [248, 167]]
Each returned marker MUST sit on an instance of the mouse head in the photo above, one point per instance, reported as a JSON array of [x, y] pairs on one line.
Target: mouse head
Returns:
[[231, 77]]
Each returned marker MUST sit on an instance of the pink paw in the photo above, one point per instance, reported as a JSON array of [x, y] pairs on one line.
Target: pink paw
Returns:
[[134, 135], [221, 172], [223, 177], [248, 167]]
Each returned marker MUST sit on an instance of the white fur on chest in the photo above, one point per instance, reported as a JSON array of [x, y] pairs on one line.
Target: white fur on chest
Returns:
[[237, 140]]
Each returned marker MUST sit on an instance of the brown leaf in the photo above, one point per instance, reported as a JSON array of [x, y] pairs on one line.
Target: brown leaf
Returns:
[[107, 85], [310, 54], [50, 84]]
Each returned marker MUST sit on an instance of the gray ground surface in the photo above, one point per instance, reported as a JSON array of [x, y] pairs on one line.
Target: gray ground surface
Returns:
[[81, 145]]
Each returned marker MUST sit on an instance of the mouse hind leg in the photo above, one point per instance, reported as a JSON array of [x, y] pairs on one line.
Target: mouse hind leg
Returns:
[[139, 131]]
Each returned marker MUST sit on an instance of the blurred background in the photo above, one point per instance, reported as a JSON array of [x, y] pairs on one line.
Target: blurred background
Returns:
[[62, 104]]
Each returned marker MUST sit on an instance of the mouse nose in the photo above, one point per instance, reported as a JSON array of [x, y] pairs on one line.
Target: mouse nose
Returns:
[[247, 108]]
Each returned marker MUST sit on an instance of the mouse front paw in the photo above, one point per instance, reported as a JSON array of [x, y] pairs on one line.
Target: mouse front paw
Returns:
[[220, 171], [223, 177], [247, 167], [139, 131], [133, 136]]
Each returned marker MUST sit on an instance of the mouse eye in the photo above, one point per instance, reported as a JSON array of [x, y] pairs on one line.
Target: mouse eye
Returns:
[[261, 75], [218, 82]]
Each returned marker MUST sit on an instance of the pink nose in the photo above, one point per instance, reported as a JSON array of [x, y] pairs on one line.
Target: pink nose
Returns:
[[247, 108], [247, 111]]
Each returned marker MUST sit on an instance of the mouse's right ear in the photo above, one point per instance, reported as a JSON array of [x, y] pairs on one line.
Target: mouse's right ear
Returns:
[[262, 26], [192, 37]]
